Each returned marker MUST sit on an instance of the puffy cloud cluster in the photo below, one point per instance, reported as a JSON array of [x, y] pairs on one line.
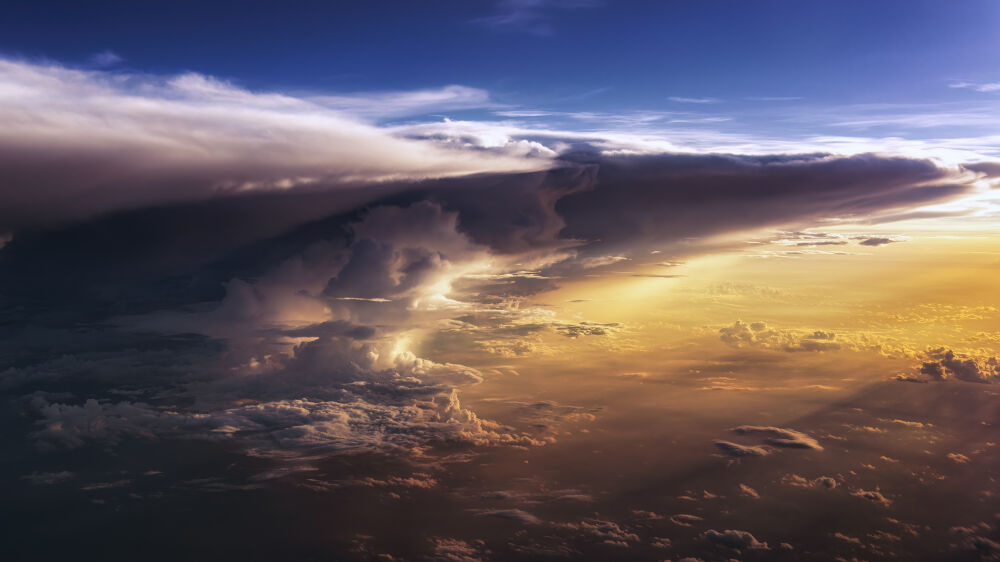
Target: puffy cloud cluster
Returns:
[[973, 538], [455, 550], [874, 496], [320, 353], [773, 437], [279, 427], [822, 482], [738, 540], [607, 532], [944, 363], [758, 334]]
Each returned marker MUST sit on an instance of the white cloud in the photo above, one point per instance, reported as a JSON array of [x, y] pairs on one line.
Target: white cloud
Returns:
[[400, 104], [692, 100], [979, 87]]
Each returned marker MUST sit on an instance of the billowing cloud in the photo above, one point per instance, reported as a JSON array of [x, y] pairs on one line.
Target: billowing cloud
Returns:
[[296, 310], [944, 363], [607, 532], [129, 140], [822, 482], [758, 334]]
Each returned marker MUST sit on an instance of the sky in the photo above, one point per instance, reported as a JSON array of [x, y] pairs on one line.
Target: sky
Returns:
[[500, 280]]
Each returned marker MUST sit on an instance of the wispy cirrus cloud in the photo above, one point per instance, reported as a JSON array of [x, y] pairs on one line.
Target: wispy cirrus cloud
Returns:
[[531, 16], [681, 99], [401, 104], [106, 57], [985, 87]]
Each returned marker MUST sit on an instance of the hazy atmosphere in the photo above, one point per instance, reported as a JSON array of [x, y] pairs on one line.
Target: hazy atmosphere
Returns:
[[500, 280]]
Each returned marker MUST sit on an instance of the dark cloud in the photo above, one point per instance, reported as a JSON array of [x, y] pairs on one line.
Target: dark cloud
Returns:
[[518, 515], [80, 143], [48, 478], [737, 450], [670, 197], [684, 519], [874, 496], [455, 550], [875, 241], [607, 532], [738, 540], [973, 539], [780, 437], [822, 482], [945, 363]]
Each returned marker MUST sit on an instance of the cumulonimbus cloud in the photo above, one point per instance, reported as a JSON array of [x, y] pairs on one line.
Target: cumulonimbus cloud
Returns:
[[76, 143]]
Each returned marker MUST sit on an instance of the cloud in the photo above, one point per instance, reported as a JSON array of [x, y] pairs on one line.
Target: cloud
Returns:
[[846, 538], [48, 478], [780, 437], [692, 100], [127, 140], [739, 540], [876, 241], [319, 375], [758, 334], [280, 427], [684, 519], [455, 550], [944, 363], [608, 532], [290, 321], [544, 495], [874, 496], [749, 492], [822, 482], [958, 458], [401, 104], [647, 515], [985, 87], [518, 515], [973, 540], [659, 542], [530, 16], [106, 58], [737, 450]]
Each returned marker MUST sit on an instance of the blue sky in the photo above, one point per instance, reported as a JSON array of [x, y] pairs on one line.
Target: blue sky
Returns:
[[751, 76], [573, 54]]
